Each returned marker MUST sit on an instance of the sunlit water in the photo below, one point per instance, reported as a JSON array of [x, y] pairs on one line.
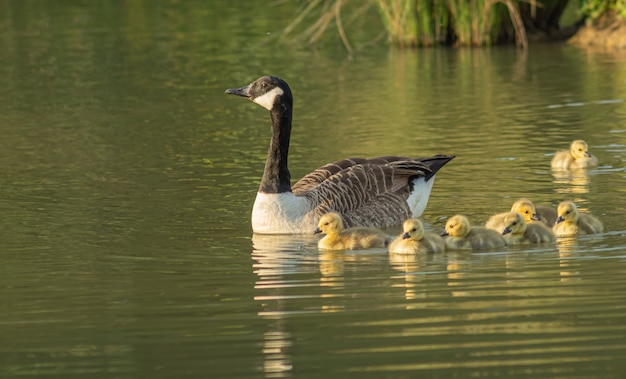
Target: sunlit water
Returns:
[[128, 178]]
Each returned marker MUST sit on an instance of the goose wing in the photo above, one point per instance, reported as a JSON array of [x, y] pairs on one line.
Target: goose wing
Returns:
[[317, 177], [371, 193]]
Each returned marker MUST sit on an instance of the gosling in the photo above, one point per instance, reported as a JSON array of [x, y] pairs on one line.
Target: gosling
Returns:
[[517, 231], [336, 238], [570, 222], [577, 157], [461, 235], [542, 213], [526, 208], [415, 240]]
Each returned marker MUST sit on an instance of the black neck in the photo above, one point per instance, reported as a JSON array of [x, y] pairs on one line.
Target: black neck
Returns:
[[276, 177]]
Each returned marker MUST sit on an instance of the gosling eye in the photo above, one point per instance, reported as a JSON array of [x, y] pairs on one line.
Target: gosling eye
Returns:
[[527, 212], [414, 229], [515, 223], [326, 223], [567, 212]]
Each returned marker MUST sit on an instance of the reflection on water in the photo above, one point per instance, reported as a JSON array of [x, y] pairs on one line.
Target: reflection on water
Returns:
[[570, 182]]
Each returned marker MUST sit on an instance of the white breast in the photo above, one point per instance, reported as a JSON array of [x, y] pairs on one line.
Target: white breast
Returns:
[[282, 213]]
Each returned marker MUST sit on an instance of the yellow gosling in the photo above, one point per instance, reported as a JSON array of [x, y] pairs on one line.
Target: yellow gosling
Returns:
[[517, 231], [570, 222], [544, 214], [461, 235], [336, 238], [578, 156], [415, 240]]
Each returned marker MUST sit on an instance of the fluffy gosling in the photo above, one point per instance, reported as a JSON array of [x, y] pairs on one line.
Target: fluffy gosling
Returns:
[[541, 213], [517, 231], [336, 238], [526, 208], [461, 235], [570, 222], [415, 240], [578, 156]]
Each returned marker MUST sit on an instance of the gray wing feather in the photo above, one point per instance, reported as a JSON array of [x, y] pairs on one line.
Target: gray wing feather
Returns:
[[368, 193]]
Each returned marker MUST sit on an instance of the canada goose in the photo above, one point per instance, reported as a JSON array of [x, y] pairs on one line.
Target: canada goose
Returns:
[[378, 192], [338, 238], [571, 222], [461, 235], [516, 231], [526, 208], [577, 156], [415, 240]]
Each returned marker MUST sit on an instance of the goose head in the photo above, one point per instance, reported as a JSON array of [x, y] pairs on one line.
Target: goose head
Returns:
[[413, 229], [457, 226], [579, 149], [329, 224], [567, 211], [514, 223], [267, 91], [526, 208]]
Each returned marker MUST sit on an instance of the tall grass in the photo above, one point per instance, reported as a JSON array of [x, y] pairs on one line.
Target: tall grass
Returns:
[[424, 22]]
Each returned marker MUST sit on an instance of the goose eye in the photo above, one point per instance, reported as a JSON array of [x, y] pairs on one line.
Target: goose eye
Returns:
[[567, 212], [527, 212], [414, 229], [326, 223], [515, 223]]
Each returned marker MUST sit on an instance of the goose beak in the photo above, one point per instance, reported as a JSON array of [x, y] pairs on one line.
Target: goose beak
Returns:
[[506, 231], [406, 236], [444, 233], [559, 219], [587, 154], [535, 217], [243, 91], [317, 231]]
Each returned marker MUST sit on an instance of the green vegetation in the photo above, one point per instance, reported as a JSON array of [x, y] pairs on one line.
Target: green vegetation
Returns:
[[596, 8], [452, 22]]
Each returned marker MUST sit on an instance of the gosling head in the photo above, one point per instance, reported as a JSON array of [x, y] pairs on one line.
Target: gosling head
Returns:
[[514, 223], [267, 91], [413, 230], [457, 226], [567, 211], [579, 149], [526, 208], [330, 223]]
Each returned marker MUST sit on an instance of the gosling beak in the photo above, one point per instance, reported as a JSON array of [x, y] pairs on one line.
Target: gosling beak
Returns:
[[444, 233], [559, 219], [243, 91], [506, 230], [406, 236], [535, 217], [587, 154], [317, 231]]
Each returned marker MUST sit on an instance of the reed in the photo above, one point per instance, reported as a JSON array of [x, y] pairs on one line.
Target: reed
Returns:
[[423, 22]]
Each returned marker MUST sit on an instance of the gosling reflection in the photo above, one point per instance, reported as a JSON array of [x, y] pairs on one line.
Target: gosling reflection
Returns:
[[568, 247], [409, 265], [575, 181], [332, 265]]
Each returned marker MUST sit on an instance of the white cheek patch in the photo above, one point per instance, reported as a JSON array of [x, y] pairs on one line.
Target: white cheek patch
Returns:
[[267, 100]]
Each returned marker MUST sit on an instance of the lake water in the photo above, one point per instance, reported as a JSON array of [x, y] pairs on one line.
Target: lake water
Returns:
[[128, 178]]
